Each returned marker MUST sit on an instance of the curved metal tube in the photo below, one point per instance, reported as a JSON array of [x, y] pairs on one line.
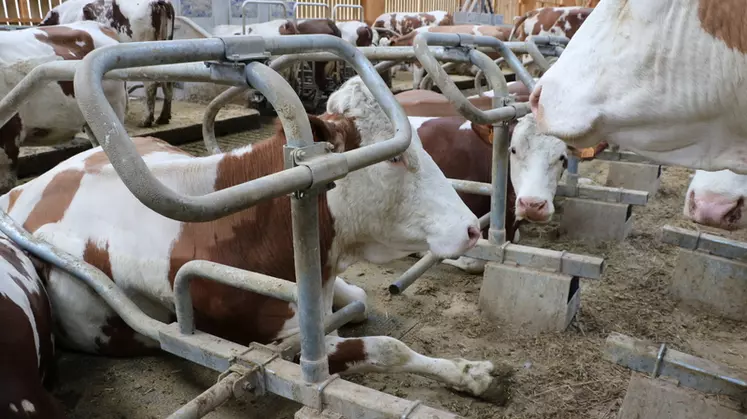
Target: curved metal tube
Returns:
[[194, 26], [447, 86], [211, 112], [86, 273], [155, 195], [208, 400]]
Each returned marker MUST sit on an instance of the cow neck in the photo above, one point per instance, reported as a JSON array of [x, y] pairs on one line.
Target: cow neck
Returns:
[[257, 239]]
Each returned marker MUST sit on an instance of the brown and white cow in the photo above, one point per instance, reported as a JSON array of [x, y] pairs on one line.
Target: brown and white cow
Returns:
[[133, 21], [463, 150], [380, 213], [399, 24], [554, 21], [27, 351], [647, 104], [358, 33], [52, 115]]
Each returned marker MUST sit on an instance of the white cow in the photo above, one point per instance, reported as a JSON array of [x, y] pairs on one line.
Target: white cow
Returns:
[[52, 115], [380, 213], [716, 199], [134, 21], [664, 79]]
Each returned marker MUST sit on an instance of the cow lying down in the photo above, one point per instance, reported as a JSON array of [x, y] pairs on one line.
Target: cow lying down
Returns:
[[380, 213]]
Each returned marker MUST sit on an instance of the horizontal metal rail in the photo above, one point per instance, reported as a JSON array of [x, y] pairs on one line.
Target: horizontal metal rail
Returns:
[[690, 371], [540, 259], [624, 156], [603, 193], [704, 242]]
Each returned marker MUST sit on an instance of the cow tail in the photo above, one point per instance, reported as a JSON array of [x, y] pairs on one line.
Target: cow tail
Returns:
[[335, 30], [163, 20]]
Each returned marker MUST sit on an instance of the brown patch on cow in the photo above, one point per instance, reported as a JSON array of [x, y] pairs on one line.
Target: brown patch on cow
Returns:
[[10, 137], [118, 21], [365, 36], [346, 352], [55, 200], [448, 20], [410, 23], [95, 162], [111, 33], [427, 18], [257, 239], [121, 338], [427, 103], [724, 20], [13, 197], [20, 372], [52, 19], [8, 252], [69, 44]]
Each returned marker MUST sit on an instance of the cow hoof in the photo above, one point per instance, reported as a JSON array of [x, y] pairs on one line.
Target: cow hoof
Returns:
[[163, 121], [499, 390], [488, 381], [146, 124]]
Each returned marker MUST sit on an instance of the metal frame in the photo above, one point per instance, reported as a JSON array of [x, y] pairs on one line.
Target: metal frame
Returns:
[[496, 248], [258, 368], [362, 13], [704, 242], [689, 371], [314, 4]]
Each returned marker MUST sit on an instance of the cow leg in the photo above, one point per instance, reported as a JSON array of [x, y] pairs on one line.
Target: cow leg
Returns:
[[345, 294], [168, 95], [383, 354], [150, 103], [469, 265]]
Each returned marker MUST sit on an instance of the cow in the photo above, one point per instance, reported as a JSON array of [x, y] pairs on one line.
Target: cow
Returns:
[[51, 116], [358, 33], [379, 213], [497, 32], [27, 349], [133, 21], [646, 104], [463, 150], [553, 21], [400, 24], [319, 27], [716, 199]]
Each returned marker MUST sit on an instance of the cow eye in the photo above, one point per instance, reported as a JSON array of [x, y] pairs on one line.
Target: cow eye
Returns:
[[513, 150], [563, 157]]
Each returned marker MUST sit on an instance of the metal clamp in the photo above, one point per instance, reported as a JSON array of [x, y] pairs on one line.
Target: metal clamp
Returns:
[[411, 409], [258, 386], [502, 252], [659, 359], [245, 49], [325, 166], [320, 390]]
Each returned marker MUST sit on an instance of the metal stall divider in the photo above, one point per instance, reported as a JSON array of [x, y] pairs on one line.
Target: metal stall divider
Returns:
[[237, 61]]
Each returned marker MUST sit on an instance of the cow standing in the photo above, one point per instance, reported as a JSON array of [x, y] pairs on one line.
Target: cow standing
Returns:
[[379, 213], [400, 24], [52, 115], [647, 104], [133, 21], [27, 351]]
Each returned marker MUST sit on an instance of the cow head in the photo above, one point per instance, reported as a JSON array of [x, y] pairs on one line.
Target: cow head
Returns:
[[397, 207], [649, 75], [716, 199], [537, 164]]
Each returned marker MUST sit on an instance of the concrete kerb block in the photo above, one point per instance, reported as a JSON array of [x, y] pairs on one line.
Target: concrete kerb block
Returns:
[[636, 176], [596, 221], [309, 413], [649, 398], [534, 300], [711, 283]]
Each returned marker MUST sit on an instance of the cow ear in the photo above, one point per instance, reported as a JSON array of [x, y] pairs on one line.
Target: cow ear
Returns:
[[327, 132], [485, 132]]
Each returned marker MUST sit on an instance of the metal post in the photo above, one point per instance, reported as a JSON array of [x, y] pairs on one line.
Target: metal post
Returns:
[[258, 2], [349, 6], [572, 178]]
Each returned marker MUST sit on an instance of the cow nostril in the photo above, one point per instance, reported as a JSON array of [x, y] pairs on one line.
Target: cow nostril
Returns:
[[735, 213], [541, 205], [522, 203], [473, 233]]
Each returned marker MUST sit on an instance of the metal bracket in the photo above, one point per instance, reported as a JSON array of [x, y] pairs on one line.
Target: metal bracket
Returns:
[[245, 48], [659, 358], [320, 389], [247, 381], [325, 166], [256, 382]]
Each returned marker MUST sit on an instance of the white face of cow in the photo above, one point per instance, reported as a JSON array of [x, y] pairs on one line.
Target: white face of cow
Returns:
[[392, 209], [716, 199], [537, 164], [662, 78]]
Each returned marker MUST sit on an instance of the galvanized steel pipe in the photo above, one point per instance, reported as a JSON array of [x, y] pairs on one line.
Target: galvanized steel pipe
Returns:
[[209, 400], [227, 275], [86, 273]]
